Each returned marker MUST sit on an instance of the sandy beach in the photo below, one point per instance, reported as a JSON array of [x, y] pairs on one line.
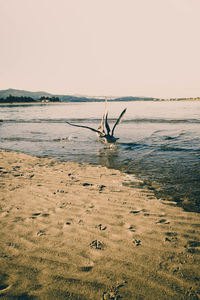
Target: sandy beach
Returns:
[[76, 231]]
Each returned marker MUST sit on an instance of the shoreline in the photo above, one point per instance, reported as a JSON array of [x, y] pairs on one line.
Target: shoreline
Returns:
[[79, 231], [95, 101], [28, 103]]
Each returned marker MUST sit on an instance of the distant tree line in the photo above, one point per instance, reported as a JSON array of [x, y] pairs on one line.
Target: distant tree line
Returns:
[[18, 99], [50, 99]]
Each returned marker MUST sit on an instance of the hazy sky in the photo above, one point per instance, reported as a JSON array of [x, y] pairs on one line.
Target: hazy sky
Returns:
[[101, 47]]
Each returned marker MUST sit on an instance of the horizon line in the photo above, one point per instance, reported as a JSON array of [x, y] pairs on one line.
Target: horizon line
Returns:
[[97, 96]]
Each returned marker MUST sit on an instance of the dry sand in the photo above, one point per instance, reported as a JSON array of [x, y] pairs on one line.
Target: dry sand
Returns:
[[75, 231]]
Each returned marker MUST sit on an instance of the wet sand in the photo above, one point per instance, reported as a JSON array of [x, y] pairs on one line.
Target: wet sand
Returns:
[[76, 231]]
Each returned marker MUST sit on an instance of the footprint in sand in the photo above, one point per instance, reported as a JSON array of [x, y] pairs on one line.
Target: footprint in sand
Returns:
[[101, 187], [193, 246], [41, 233], [110, 295], [146, 214], [62, 191], [87, 184], [101, 227], [135, 212], [36, 214], [162, 221], [86, 268], [171, 234], [16, 167], [97, 245], [171, 237], [68, 223], [137, 242], [192, 294], [45, 215], [18, 175], [63, 204], [132, 228], [113, 293]]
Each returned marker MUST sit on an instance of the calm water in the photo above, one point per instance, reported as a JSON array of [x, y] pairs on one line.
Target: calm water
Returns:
[[159, 141]]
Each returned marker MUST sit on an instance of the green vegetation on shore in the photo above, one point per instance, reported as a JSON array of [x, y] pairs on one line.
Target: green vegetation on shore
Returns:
[[23, 99]]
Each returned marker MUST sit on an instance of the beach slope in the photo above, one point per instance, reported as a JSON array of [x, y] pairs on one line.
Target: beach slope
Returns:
[[76, 231]]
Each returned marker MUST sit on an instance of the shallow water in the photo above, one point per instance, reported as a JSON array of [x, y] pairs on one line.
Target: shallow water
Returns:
[[159, 141]]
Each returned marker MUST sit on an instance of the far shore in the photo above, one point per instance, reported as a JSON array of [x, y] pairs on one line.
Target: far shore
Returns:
[[29, 103], [77, 231], [67, 102]]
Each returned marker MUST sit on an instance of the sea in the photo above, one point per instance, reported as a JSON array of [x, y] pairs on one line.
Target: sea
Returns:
[[159, 141]]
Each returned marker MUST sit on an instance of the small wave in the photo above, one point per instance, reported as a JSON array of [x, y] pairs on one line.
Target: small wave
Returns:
[[171, 148], [148, 120], [98, 120], [168, 138], [35, 140], [52, 121], [134, 146], [130, 145]]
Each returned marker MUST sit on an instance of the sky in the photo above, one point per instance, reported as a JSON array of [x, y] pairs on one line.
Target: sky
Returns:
[[101, 47]]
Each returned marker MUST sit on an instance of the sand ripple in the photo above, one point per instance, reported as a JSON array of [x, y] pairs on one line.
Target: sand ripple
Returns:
[[75, 231]]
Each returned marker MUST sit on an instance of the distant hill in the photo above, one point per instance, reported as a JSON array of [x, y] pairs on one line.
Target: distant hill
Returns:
[[21, 93], [64, 98], [78, 98], [37, 95], [130, 98]]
